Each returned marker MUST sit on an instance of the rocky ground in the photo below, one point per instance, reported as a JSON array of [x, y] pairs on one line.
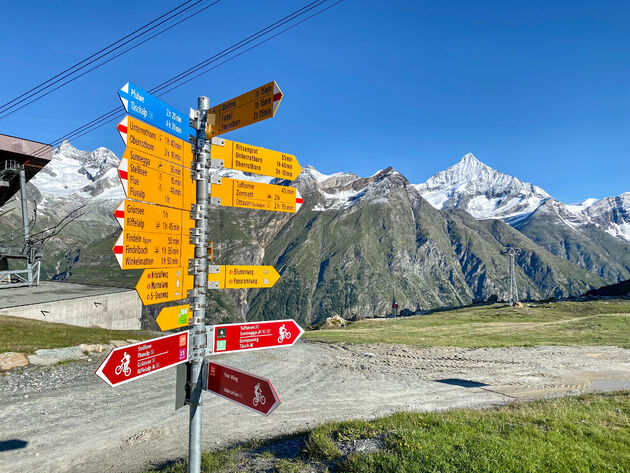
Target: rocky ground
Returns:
[[63, 418]]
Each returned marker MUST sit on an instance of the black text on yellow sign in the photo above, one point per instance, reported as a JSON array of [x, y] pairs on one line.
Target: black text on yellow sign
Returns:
[[256, 195], [255, 159], [246, 109]]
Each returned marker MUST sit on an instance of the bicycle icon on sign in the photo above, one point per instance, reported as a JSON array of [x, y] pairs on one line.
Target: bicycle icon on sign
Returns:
[[123, 367], [258, 397], [284, 333]]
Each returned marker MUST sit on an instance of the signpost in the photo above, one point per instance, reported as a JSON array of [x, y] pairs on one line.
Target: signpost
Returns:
[[140, 359], [256, 195], [246, 109], [164, 223], [164, 285], [230, 338], [255, 159], [152, 110], [246, 389], [241, 277], [173, 317]]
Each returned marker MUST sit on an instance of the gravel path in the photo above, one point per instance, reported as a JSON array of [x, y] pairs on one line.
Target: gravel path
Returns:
[[68, 420]]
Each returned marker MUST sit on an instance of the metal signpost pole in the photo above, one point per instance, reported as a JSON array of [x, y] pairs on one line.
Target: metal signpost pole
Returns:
[[199, 267]]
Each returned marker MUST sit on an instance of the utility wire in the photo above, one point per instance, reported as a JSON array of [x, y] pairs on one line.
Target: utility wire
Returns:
[[164, 87], [12, 106], [178, 80]]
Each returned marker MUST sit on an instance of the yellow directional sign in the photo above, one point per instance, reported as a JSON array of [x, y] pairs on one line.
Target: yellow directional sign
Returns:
[[137, 250], [256, 195], [156, 181], [150, 140], [255, 159], [164, 284], [251, 107], [243, 277], [141, 216], [174, 317]]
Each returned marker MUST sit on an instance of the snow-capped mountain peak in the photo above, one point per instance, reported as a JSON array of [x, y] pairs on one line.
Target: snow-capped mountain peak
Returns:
[[481, 191]]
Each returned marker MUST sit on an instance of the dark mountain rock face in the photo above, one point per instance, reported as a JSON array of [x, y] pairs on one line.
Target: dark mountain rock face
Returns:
[[356, 244]]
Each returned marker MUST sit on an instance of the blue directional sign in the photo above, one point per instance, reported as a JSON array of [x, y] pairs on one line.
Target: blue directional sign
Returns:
[[146, 107]]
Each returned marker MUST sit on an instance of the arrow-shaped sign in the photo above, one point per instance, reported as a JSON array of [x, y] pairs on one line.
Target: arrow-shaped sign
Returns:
[[173, 317], [141, 216], [230, 338], [138, 250], [164, 285], [156, 181], [143, 105], [241, 277], [255, 159], [256, 195], [147, 139], [250, 107], [140, 359], [245, 389]]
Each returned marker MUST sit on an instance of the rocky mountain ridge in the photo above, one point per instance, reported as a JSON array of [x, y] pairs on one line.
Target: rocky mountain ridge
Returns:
[[356, 244]]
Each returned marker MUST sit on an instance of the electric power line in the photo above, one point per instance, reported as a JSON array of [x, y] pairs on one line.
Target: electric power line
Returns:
[[178, 80], [12, 106]]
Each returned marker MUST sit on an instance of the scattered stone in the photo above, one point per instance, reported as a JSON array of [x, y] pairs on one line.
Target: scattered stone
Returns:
[[92, 348], [369, 354], [132, 340], [10, 360], [333, 322], [51, 356]]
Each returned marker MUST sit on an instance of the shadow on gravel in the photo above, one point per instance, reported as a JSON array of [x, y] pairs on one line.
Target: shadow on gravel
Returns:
[[13, 444], [464, 383]]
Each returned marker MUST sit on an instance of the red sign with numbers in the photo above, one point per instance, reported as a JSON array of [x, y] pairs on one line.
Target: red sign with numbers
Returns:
[[246, 389], [140, 359], [229, 338]]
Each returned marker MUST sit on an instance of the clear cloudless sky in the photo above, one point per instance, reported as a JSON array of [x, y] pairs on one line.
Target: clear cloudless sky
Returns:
[[539, 89]]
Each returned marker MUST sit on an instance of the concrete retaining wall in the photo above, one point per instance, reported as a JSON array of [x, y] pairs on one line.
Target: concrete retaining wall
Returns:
[[118, 311]]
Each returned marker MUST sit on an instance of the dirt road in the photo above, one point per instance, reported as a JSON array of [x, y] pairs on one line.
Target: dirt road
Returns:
[[65, 419]]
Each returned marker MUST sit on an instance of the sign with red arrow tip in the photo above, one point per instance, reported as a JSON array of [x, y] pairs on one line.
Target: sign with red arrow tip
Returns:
[[246, 389], [230, 338], [143, 358]]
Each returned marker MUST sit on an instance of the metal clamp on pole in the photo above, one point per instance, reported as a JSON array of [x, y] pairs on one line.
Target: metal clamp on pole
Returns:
[[198, 211]]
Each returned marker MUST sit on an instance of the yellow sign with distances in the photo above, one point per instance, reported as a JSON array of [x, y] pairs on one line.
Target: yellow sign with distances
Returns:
[[256, 195], [246, 109], [255, 159], [132, 215], [138, 250], [156, 181], [242, 277], [147, 139]]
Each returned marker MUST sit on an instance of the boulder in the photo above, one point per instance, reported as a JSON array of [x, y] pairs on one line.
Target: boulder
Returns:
[[93, 348], [333, 322], [51, 356], [10, 360], [118, 343]]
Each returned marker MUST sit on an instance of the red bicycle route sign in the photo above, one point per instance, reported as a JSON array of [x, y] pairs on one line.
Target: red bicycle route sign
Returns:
[[246, 389], [143, 358], [230, 338]]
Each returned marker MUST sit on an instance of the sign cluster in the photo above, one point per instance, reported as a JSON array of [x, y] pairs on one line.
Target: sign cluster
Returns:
[[157, 222]]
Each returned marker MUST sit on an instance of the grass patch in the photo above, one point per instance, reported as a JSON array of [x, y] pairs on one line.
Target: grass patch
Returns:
[[27, 335], [499, 325], [584, 434]]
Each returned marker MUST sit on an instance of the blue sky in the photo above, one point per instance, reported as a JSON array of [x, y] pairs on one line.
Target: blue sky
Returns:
[[540, 90]]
